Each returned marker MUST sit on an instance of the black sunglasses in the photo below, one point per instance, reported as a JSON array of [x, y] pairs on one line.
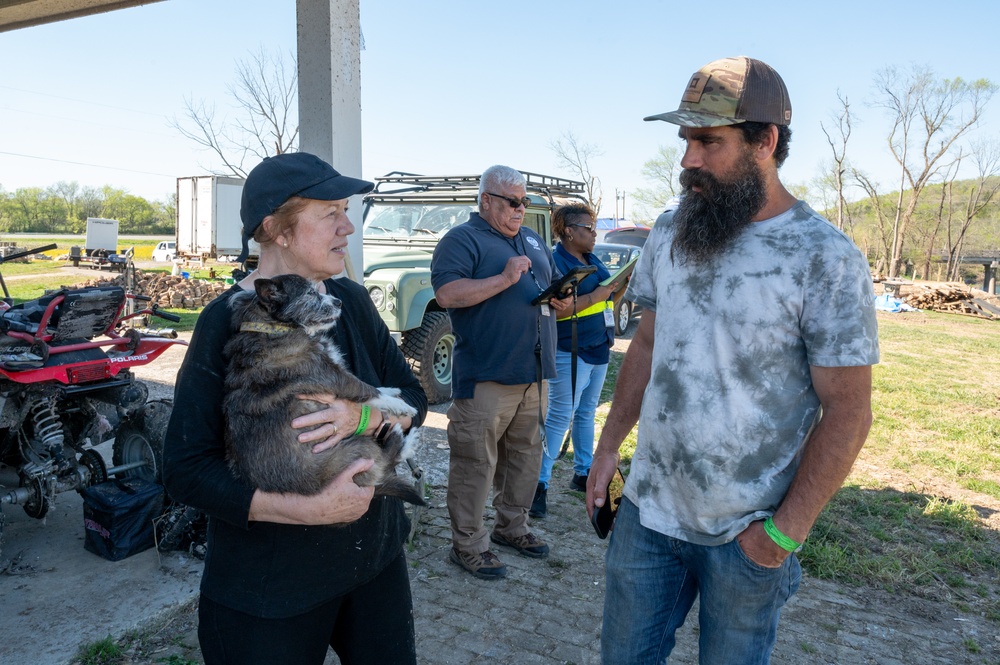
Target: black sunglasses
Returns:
[[512, 201], [590, 227]]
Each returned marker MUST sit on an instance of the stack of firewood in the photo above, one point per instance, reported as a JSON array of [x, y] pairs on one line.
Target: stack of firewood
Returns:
[[954, 298], [176, 292], [171, 291]]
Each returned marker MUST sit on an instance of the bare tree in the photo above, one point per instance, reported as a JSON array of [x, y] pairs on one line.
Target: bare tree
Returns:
[[265, 121], [574, 155], [883, 240], [839, 149], [942, 211], [928, 117], [986, 157]]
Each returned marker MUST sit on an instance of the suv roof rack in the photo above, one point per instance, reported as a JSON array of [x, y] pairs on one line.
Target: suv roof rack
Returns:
[[398, 182]]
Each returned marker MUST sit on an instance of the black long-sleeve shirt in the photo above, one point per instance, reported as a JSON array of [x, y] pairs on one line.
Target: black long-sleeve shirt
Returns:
[[263, 568]]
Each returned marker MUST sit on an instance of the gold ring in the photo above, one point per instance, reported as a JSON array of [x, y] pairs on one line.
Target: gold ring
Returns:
[[334, 429]]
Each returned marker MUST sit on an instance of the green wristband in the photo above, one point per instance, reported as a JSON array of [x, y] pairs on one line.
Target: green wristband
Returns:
[[366, 413], [780, 539]]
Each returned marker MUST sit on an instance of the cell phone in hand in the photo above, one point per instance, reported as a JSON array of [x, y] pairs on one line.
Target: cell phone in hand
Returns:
[[604, 517]]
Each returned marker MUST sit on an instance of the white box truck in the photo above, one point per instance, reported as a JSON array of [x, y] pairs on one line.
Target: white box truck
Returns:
[[208, 217]]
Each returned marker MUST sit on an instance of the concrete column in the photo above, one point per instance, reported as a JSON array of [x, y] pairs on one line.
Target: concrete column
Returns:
[[329, 60]]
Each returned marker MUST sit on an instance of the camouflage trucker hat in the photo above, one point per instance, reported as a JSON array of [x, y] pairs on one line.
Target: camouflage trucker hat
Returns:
[[731, 91]]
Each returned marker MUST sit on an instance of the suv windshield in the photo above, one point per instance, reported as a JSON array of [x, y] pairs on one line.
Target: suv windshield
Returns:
[[414, 221]]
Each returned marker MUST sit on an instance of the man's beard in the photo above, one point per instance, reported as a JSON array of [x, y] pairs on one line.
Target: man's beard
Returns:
[[706, 221]]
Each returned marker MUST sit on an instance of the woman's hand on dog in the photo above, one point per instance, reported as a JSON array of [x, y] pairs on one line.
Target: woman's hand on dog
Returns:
[[331, 425], [340, 502], [339, 421]]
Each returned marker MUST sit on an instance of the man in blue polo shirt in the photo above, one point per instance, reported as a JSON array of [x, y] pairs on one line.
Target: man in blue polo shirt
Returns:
[[486, 272]]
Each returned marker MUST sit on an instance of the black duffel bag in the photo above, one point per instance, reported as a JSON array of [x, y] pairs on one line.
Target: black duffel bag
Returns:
[[118, 516]]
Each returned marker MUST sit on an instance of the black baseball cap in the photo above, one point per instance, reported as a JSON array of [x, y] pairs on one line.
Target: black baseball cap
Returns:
[[279, 178]]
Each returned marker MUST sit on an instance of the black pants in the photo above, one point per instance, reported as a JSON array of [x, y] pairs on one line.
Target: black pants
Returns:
[[371, 624]]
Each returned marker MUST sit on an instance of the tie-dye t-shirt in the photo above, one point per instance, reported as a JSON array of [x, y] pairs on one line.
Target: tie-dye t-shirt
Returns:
[[730, 400]]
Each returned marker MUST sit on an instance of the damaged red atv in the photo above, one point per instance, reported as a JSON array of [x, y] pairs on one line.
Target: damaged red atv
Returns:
[[66, 386]]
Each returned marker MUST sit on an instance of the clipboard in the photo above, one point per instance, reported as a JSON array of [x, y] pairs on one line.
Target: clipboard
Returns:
[[620, 275], [563, 284]]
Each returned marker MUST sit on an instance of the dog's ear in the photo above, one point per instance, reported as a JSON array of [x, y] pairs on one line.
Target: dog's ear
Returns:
[[267, 290]]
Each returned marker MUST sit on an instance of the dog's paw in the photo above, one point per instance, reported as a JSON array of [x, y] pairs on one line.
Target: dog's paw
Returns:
[[389, 403], [410, 444]]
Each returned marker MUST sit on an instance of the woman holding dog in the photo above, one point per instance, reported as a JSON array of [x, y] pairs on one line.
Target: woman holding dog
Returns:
[[280, 584]]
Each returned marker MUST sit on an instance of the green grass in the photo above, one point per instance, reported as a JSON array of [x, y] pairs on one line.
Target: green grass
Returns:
[[101, 652], [937, 401], [912, 516], [177, 660], [143, 246]]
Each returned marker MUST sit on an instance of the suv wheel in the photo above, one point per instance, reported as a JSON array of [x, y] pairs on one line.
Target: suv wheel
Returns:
[[623, 315], [429, 349]]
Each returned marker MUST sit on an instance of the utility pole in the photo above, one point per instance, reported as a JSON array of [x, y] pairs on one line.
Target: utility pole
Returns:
[[619, 196]]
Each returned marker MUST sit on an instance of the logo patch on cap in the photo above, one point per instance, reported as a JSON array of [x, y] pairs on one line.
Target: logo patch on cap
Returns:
[[695, 88]]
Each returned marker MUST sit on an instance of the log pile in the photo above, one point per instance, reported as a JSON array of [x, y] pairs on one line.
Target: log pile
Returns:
[[953, 298], [171, 291]]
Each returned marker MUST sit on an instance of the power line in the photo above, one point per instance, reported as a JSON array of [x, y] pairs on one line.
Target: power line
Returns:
[[96, 166], [80, 101], [36, 114]]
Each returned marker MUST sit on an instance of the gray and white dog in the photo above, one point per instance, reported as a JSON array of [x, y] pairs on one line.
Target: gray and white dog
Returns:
[[281, 352]]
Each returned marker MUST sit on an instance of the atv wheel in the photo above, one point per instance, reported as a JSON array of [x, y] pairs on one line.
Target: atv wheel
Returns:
[[140, 439], [429, 349], [623, 316]]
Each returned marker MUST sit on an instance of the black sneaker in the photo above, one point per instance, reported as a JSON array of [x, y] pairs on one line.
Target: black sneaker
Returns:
[[528, 544], [484, 565], [538, 507], [579, 483]]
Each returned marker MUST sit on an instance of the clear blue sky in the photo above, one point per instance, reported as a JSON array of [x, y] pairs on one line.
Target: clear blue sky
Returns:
[[452, 87]]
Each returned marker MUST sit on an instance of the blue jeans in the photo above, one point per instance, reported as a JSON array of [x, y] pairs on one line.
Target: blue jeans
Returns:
[[589, 382], [652, 581]]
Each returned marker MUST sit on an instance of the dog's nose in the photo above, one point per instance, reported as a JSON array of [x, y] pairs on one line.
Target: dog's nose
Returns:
[[336, 301]]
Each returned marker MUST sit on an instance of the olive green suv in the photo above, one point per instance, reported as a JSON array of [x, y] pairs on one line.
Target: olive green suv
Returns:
[[404, 217]]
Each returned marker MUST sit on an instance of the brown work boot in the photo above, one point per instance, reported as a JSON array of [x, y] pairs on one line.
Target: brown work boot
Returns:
[[527, 544], [484, 565]]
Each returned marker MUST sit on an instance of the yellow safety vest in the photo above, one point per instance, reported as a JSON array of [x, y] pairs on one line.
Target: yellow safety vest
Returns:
[[596, 308]]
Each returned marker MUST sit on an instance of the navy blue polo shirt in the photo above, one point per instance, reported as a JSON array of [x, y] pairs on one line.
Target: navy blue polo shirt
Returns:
[[496, 339]]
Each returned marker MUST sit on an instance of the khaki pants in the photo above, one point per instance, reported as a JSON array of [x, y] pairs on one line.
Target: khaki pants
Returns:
[[494, 440]]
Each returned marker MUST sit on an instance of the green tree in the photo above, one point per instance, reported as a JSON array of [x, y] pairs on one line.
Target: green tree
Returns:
[[661, 172], [134, 213]]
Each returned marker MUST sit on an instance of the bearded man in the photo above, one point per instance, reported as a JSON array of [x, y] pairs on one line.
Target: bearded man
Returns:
[[749, 377]]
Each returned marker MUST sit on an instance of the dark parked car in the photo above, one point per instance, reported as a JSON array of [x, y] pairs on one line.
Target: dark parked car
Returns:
[[614, 256], [632, 235]]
